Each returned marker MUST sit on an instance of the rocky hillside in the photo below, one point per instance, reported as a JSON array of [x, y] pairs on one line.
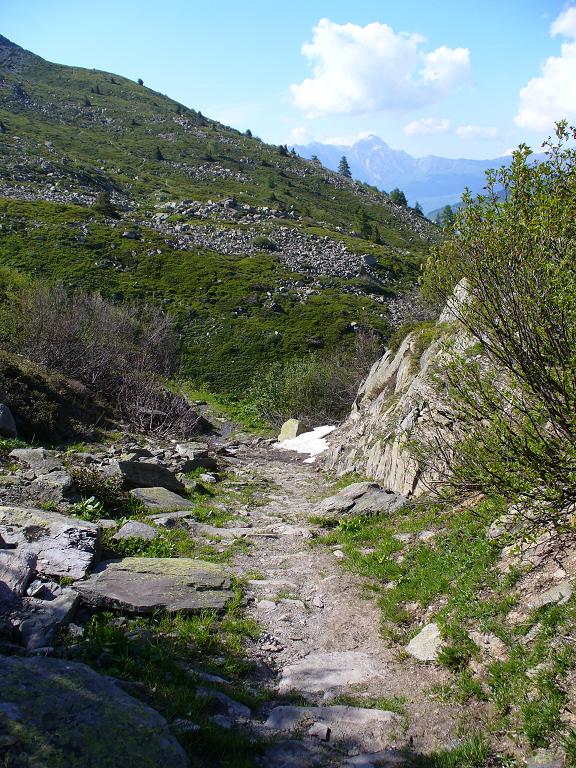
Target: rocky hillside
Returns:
[[259, 253]]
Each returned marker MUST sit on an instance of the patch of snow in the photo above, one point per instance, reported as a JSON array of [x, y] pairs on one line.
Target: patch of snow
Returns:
[[312, 443]]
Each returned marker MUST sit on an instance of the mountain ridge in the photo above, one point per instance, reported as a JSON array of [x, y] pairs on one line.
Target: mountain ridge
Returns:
[[432, 180]]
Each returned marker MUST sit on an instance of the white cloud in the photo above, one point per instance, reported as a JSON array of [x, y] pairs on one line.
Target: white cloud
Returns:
[[565, 24], [552, 95], [426, 126], [372, 68], [476, 132], [349, 140], [299, 135]]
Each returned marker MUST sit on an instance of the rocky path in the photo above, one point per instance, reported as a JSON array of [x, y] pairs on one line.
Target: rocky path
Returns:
[[321, 639]]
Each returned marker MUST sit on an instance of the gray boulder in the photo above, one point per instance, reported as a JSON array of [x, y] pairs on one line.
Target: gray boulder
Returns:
[[64, 546], [426, 644], [160, 499], [145, 584], [39, 460], [361, 499], [135, 530], [60, 713], [16, 569], [7, 423], [290, 429], [142, 474], [54, 486], [45, 617]]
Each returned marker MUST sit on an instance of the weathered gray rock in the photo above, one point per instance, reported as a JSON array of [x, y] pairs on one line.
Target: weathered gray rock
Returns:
[[143, 474], [386, 758], [161, 499], [55, 486], [322, 671], [545, 758], [290, 429], [62, 713], [48, 616], [170, 519], [365, 498], [135, 530], [16, 569], [39, 460], [289, 718], [427, 643], [234, 709], [7, 423], [64, 546], [561, 593], [145, 584]]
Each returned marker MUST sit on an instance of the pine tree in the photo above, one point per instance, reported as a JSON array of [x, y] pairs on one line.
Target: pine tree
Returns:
[[103, 204], [2, 127], [158, 154], [344, 167], [140, 81], [398, 197]]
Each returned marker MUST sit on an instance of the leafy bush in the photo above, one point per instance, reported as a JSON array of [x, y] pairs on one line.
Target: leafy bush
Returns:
[[316, 388], [513, 253], [263, 243], [120, 351]]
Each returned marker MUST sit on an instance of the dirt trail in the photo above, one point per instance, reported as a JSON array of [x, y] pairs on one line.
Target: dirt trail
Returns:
[[322, 635]]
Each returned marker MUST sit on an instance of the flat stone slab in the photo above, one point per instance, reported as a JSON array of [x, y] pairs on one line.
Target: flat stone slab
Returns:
[[146, 584], [141, 474], [288, 718], [64, 546], [322, 671], [561, 593], [361, 499], [135, 530], [426, 644], [161, 499], [62, 713]]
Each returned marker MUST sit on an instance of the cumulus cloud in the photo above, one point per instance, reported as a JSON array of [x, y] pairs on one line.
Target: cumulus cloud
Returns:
[[426, 126], [476, 132], [552, 95], [372, 68]]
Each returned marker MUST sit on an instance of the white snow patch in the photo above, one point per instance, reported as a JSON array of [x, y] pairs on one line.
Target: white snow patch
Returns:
[[312, 443]]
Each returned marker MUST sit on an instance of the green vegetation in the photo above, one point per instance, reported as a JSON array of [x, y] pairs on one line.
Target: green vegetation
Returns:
[[515, 390], [235, 313], [161, 654]]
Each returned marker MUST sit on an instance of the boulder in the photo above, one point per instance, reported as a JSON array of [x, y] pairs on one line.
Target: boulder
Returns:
[[16, 569], [427, 643], [361, 499], [7, 423], [142, 474], [47, 616], [161, 499], [135, 530], [145, 584], [64, 546], [60, 713], [55, 486], [290, 429], [560, 593], [39, 460]]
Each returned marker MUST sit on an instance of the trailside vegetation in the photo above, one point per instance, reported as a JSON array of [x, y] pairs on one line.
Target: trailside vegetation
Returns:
[[512, 253]]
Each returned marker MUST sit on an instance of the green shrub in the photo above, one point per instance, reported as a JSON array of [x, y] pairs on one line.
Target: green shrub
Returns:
[[514, 393], [316, 388], [263, 243]]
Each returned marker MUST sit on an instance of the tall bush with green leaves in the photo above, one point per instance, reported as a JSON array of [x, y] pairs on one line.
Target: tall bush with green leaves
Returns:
[[513, 251]]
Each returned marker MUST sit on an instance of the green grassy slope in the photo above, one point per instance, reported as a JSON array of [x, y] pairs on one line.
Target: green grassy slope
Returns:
[[67, 133]]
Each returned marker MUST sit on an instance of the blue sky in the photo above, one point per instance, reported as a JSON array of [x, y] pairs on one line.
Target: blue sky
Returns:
[[427, 77]]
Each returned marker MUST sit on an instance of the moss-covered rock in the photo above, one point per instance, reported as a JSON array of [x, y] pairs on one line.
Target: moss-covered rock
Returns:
[[59, 714]]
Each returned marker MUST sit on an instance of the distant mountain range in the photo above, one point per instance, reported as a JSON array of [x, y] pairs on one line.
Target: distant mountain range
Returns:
[[432, 181]]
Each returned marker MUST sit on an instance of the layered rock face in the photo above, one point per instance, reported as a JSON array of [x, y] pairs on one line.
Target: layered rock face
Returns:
[[400, 404]]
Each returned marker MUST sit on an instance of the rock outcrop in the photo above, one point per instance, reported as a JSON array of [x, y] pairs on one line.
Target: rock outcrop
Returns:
[[399, 404]]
